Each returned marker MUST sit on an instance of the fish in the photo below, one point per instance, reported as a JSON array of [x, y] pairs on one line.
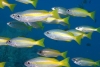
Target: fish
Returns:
[[29, 16], [79, 12], [24, 42], [4, 3], [61, 10], [33, 2], [19, 25], [87, 29], [51, 53], [3, 40], [85, 62], [2, 64], [46, 62], [52, 20], [77, 33], [61, 35], [36, 25]]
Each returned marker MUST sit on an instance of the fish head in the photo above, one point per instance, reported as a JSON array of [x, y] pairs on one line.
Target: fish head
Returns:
[[11, 43], [50, 34], [40, 52], [69, 11], [80, 28], [17, 17], [29, 64], [53, 8], [9, 24], [76, 60]]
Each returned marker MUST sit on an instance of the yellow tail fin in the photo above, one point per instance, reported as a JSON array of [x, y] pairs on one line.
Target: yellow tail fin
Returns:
[[34, 2], [92, 15], [41, 42], [1, 5], [2, 64], [65, 62], [78, 39], [64, 54], [12, 6], [55, 14]]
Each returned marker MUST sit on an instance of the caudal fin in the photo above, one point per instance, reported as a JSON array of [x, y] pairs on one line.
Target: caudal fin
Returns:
[[34, 2], [66, 21], [64, 54], [1, 5], [98, 29], [40, 24], [92, 15], [98, 63], [89, 35], [65, 62], [30, 28], [41, 42], [12, 6], [2, 64], [55, 13], [78, 39]]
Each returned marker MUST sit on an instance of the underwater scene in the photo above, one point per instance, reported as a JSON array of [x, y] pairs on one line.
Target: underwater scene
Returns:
[[49, 33]]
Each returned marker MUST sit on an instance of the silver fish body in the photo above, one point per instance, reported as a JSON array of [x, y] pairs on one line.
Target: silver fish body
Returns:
[[22, 17]]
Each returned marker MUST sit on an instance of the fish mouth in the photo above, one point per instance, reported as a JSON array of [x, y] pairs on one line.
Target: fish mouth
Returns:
[[53, 8], [8, 23], [25, 64], [45, 33], [74, 59], [12, 16]]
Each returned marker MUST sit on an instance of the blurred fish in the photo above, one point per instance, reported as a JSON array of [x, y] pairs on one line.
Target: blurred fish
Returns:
[[79, 12], [61, 35], [33, 2], [85, 62], [19, 25], [4, 3], [46, 62], [77, 33], [87, 29], [33, 15], [3, 40], [51, 53], [36, 25], [61, 10], [24, 42], [52, 20], [2, 64]]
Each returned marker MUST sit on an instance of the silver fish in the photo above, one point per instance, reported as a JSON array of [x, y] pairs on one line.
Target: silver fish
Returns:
[[30, 16], [85, 62], [61, 35]]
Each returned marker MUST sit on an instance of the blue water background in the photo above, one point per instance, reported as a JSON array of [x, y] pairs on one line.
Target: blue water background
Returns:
[[15, 57]]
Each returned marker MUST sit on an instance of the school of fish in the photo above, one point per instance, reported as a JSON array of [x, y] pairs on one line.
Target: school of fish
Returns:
[[28, 19]]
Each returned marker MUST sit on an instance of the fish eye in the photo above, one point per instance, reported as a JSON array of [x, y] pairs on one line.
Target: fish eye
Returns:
[[78, 27], [18, 15], [68, 10], [9, 41], [74, 59], [28, 62], [13, 15], [40, 51], [9, 22], [48, 33]]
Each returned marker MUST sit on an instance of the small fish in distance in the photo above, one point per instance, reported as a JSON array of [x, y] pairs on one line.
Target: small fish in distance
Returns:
[[51, 53]]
